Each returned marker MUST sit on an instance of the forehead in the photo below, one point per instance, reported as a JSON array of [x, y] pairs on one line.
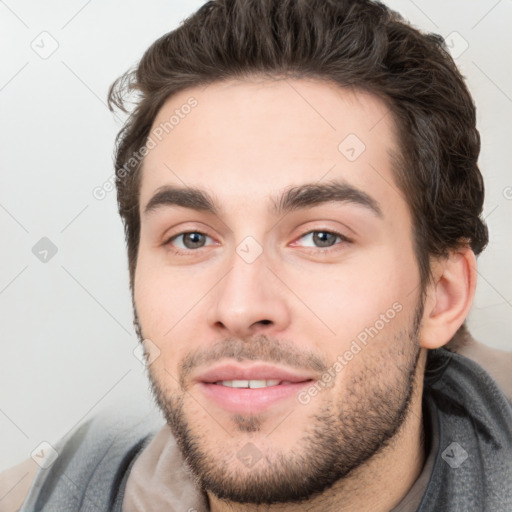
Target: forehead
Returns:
[[246, 140]]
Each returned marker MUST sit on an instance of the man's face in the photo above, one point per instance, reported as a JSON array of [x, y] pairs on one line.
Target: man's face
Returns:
[[306, 298]]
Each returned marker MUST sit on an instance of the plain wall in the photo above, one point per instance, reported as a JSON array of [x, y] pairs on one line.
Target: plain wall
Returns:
[[67, 342]]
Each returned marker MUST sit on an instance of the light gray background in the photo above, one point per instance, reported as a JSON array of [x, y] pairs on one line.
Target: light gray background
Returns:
[[66, 325]]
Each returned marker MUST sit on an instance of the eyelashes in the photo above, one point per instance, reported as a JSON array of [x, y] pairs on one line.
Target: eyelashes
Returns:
[[313, 235], [191, 241]]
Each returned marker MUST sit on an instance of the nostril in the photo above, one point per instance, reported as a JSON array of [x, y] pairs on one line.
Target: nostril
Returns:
[[265, 322]]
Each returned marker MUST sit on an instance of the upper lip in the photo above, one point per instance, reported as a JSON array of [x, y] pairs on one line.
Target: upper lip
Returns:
[[232, 371]]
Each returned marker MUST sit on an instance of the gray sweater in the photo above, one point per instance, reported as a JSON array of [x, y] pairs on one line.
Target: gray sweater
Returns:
[[472, 455]]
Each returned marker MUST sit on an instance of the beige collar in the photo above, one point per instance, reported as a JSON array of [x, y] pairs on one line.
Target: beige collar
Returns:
[[160, 480]]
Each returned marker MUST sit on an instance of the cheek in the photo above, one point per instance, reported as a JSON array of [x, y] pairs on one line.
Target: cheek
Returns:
[[162, 296], [150, 299], [157, 307], [351, 297], [168, 303]]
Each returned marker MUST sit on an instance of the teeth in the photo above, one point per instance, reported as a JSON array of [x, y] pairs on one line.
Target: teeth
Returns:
[[263, 383], [249, 383]]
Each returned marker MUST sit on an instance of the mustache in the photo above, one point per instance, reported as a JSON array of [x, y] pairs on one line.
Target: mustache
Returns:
[[258, 348]]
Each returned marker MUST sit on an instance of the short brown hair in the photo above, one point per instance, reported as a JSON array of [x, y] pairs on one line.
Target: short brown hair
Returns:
[[357, 43]]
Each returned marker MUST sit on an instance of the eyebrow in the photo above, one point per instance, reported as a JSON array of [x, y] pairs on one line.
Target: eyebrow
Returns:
[[294, 198]]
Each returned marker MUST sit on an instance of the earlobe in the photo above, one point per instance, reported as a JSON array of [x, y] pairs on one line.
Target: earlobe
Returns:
[[449, 298]]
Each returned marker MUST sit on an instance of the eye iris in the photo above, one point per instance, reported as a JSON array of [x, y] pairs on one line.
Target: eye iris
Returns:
[[324, 239], [193, 240]]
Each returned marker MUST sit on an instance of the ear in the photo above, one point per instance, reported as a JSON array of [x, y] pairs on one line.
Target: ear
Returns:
[[449, 297]]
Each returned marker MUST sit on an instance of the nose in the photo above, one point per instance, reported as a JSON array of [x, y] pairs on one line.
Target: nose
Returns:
[[249, 300]]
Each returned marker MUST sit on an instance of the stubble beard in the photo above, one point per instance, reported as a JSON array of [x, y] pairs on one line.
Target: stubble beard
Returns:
[[340, 437]]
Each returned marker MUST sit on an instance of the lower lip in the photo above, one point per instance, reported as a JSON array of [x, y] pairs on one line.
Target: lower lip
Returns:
[[250, 401]]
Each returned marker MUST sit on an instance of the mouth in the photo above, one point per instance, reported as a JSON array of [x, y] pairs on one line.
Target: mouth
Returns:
[[250, 389], [252, 384]]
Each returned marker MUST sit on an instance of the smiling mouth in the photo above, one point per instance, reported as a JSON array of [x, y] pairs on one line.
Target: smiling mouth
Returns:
[[252, 396], [251, 388], [253, 384]]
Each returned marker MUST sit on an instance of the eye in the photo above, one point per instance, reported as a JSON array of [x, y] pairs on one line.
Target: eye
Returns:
[[317, 239], [321, 239], [188, 240]]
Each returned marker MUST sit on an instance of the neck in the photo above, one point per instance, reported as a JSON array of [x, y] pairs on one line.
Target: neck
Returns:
[[376, 486]]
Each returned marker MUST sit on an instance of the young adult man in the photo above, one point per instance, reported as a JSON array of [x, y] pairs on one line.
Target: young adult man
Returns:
[[301, 197]]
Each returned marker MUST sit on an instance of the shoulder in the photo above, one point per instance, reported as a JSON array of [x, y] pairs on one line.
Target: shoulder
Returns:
[[468, 396], [497, 363], [15, 484], [87, 460]]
